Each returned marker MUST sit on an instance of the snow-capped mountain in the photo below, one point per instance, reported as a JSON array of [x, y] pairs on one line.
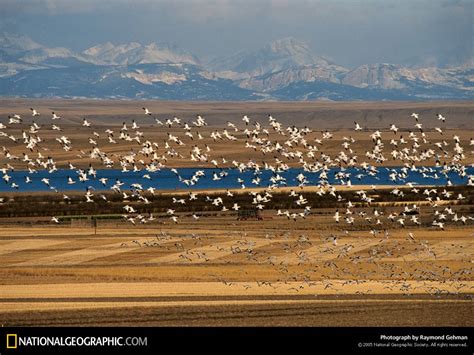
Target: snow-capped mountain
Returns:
[[288, 61], [277, 65], [136, 53], [277, 80], [282, 54], [19, 53], [285, 69], [390, 76]]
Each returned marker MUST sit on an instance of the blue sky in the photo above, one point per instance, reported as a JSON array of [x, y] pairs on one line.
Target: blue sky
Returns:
[[350, 32]]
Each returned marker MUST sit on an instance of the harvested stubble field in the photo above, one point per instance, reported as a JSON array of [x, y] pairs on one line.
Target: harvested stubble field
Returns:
[[219, 271]]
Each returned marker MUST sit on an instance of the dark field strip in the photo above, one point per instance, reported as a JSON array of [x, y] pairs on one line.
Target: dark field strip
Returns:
[[46, 205], [384, 313], [342, 297]]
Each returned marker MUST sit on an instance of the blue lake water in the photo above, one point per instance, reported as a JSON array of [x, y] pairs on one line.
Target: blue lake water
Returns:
[[165, 179]]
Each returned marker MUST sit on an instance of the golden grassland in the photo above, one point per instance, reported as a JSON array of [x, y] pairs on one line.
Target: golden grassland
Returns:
[[307, 112], [337, 117]]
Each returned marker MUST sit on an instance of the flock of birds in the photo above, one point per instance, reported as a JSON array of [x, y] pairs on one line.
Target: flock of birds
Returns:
[[288, 145], [333, 265], [433, 155]]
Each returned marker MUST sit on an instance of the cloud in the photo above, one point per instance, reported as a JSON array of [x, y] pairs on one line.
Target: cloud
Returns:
[[45, 7]]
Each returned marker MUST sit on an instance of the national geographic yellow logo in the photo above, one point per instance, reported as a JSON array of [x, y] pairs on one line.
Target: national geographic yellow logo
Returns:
[[12, 341]]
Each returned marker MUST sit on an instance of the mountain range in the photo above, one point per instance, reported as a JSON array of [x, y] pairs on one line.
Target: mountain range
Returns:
[[285, 69]]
